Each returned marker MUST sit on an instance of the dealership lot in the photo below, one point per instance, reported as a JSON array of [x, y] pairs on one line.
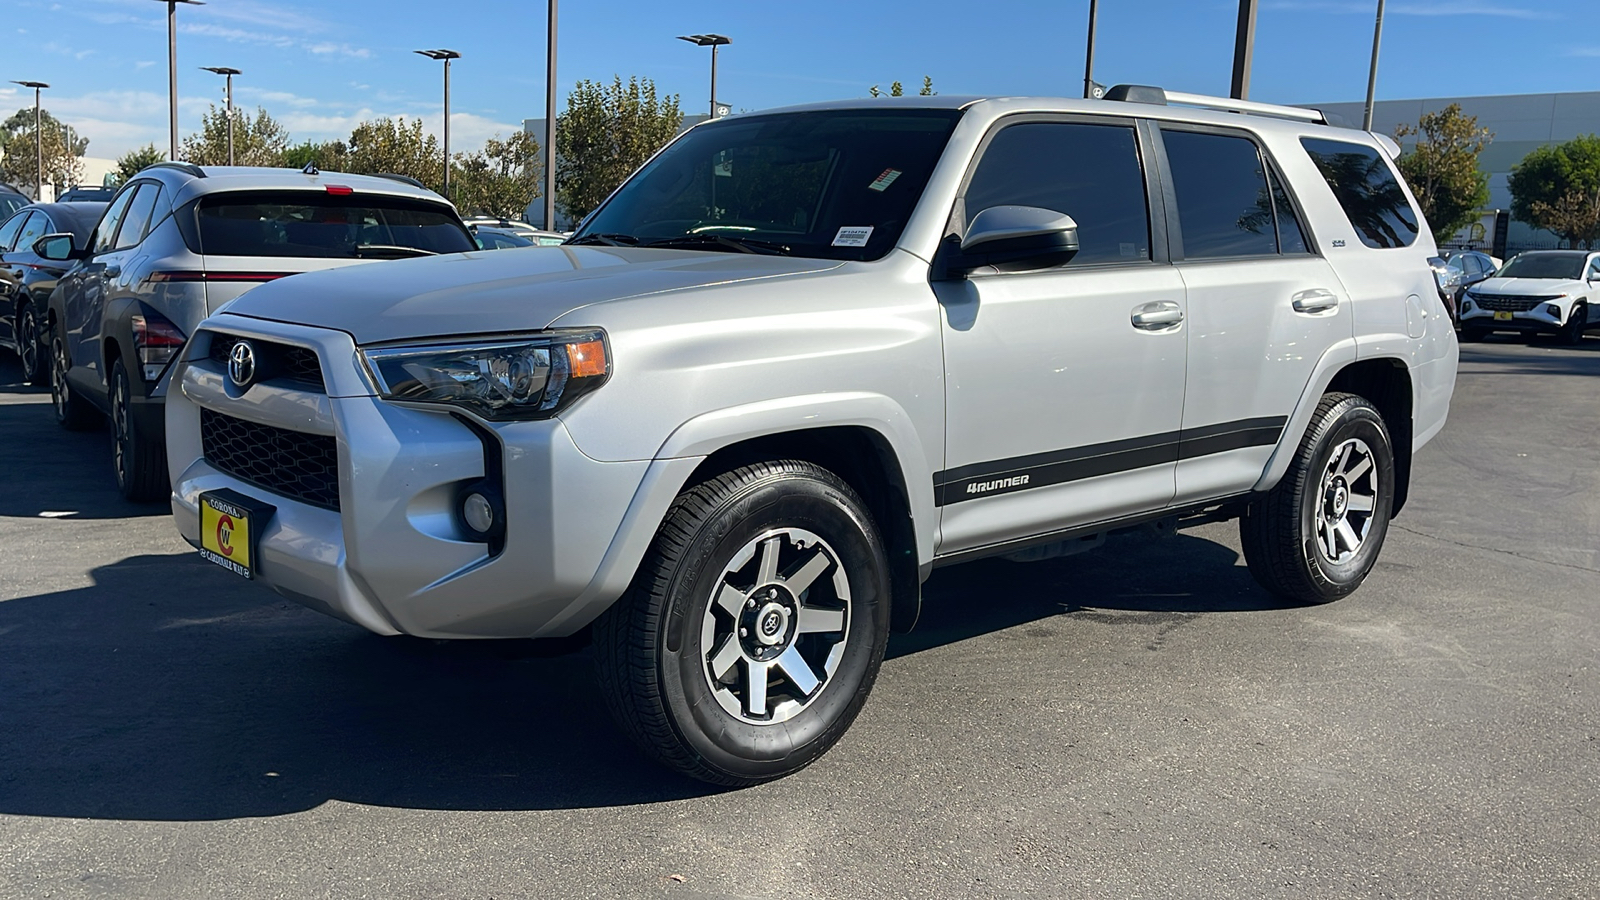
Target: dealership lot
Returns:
[[1138, 721]]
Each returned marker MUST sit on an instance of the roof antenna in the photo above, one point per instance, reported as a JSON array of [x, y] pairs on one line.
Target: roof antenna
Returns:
[[311, 169]]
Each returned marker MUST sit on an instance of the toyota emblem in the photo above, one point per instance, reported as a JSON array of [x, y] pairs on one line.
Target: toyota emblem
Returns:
[[242, 364]]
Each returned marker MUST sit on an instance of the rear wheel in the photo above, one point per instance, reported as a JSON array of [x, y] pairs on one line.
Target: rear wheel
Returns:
[[755, 627], [1316, 535], [141, 463], [33, 367], [72, 412]]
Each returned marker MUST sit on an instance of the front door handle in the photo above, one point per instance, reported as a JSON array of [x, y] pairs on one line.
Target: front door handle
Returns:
[[1314, 300], [111, 271], [1158, 316]]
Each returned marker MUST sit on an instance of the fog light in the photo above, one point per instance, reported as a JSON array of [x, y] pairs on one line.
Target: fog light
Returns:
[[478, 513], [1552, 310], [1466, 306]]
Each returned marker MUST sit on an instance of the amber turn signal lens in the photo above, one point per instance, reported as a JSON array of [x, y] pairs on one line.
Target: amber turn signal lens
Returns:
[[587, 359]]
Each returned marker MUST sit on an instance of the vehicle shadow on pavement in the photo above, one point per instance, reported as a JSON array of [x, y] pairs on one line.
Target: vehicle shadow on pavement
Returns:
[[173, 690], [1559, 359], [1135, 573], [54, 473]]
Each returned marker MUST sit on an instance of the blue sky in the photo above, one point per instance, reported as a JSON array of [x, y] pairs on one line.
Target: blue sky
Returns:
[[320, 66]]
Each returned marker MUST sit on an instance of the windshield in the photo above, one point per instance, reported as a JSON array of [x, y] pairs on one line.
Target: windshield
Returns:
[[327, 226], [838, 184], [1567, 266]]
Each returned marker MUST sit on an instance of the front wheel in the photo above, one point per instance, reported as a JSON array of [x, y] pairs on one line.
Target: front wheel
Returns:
[[754, 629], [140, 463], [1316, 535], [1572, 332], [28, 344]]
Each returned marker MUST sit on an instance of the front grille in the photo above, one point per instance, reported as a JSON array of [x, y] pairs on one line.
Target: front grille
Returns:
[[299, 466], [273, 360], [1503, 303]]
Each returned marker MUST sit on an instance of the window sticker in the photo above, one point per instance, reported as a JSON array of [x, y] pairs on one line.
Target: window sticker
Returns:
[[882, 182], [853, 236]]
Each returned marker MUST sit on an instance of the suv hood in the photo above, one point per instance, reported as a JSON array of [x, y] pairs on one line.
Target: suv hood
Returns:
[[1530, 287], [496, 290]]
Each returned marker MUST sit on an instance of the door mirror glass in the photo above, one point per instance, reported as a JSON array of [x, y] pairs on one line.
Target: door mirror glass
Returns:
[[1015, 238], [56, 247]]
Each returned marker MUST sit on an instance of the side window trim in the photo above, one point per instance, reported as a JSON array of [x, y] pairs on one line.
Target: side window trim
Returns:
[[1274, 178], [96, 239], [21, 218], [955, 223]]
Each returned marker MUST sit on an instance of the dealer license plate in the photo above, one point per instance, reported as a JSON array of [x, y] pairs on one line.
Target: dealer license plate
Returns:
[[230, 530], [1502, 317]]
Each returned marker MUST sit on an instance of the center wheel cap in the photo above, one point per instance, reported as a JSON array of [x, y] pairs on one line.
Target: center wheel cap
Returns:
[[772, 624]]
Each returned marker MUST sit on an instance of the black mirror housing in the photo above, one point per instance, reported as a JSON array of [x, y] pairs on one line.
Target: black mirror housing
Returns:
[[57, 248], [1012, 239]]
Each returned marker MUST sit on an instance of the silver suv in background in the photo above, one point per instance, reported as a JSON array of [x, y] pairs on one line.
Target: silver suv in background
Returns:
[[176, 244], [803, 357]]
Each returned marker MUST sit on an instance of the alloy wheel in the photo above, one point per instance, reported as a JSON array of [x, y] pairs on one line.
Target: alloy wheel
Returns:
[[28, 343], [774, 628], [1347, 501], [121, 434], [58, 378]]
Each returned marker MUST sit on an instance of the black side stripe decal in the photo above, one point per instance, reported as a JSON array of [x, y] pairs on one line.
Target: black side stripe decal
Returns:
[[1022, 473]]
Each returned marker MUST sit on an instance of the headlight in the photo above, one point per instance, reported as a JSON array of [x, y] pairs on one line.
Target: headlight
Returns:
[[531, 377]]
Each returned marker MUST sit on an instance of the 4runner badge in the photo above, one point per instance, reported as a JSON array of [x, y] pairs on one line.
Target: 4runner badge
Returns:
[[984, 487]]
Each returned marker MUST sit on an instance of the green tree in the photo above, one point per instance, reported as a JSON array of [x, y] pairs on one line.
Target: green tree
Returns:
[[1575, 216], [1443, 169], [499, 180], [135, 161], [258, 141], [397, 147], [328, 155], [19, 160], [1551, 183], [606, 133], [896, 89]]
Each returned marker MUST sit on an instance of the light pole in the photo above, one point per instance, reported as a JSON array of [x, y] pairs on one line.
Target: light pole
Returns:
[[1088, 54], [1372, 76], [445, 55], [1244, 49], [172, 64], [713, 41], [550, 123], [38, 134], [224, 70]]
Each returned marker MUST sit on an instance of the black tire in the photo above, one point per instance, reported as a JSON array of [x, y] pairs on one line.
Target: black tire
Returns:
[[29, 347], [1572, 332], [1283, 532], [72, 412], [1472, 334], [655, 672], [139, 461]]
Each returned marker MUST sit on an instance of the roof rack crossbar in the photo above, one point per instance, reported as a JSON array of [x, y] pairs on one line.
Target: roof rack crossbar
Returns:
[[188, 168], [1143, 94]]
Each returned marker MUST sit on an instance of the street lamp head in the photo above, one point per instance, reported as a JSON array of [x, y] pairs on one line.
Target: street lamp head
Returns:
[[36, 85], [439, 54], [221, 70], [706, 40]]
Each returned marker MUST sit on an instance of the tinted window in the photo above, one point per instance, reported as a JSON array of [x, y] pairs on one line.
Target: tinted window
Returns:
[[1089, 172], [38, 226], [326, 226], [136, 224], [10, 203], [8, 231], [106, 231], [1567, 266], [838, 184], [1366, 187], [1291, 237], [1224, 205]]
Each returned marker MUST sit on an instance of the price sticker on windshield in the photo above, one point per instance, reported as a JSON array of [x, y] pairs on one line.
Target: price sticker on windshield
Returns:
[[853, 236], [882, 182]]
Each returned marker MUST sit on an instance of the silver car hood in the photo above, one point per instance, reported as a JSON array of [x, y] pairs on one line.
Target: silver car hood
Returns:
[[1529, 287], [498, 290]]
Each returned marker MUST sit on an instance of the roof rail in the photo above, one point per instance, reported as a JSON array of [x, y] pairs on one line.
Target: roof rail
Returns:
[[403, 179], [187, 168], [1138, 93]]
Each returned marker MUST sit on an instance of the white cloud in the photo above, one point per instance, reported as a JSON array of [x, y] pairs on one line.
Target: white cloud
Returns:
[[326, 48]]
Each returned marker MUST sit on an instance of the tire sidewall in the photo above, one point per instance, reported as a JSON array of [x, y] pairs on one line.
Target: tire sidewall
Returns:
[[60, 392], [26, 337], [124, 447], [740, 749], [1352, 419]]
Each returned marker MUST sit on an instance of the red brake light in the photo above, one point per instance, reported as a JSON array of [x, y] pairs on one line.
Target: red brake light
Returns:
[[340, 189]]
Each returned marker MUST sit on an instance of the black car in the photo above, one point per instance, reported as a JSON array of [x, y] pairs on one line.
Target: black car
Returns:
[[89, 194], [26, 278], [490, 238], [1473, 267], [11, 200]]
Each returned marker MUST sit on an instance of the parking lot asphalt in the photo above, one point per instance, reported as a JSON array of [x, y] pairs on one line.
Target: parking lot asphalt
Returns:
[[1139, 721]]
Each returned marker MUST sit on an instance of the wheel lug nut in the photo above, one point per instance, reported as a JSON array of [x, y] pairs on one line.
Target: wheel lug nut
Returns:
[[744, 632], [751, 603]]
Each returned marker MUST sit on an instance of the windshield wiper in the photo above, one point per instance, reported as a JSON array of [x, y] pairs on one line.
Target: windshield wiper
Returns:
[[608, 240], [735, 243], [389, 251]]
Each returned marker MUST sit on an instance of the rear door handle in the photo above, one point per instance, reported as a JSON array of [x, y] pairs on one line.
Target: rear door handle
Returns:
[[1157, 316], [1314, 300], [111, 271]]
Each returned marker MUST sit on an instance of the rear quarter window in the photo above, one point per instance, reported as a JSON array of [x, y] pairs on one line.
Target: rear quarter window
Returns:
[[308, 224], [1367, 190]]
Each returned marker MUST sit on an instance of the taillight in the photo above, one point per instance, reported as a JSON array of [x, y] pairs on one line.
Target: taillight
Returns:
[[157, 342]]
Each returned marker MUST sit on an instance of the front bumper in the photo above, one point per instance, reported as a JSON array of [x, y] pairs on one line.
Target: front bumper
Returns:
[[395, 558], [1538, 320]]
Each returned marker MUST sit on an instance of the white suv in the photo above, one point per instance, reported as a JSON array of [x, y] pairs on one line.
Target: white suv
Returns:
[[1540, 292], [803, 357]]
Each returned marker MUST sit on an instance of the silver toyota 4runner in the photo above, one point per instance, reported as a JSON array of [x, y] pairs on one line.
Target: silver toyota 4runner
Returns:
[[803, 357]]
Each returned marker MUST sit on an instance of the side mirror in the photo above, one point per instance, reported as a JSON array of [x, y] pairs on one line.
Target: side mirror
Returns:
[[1014, 238], [57, 248]]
